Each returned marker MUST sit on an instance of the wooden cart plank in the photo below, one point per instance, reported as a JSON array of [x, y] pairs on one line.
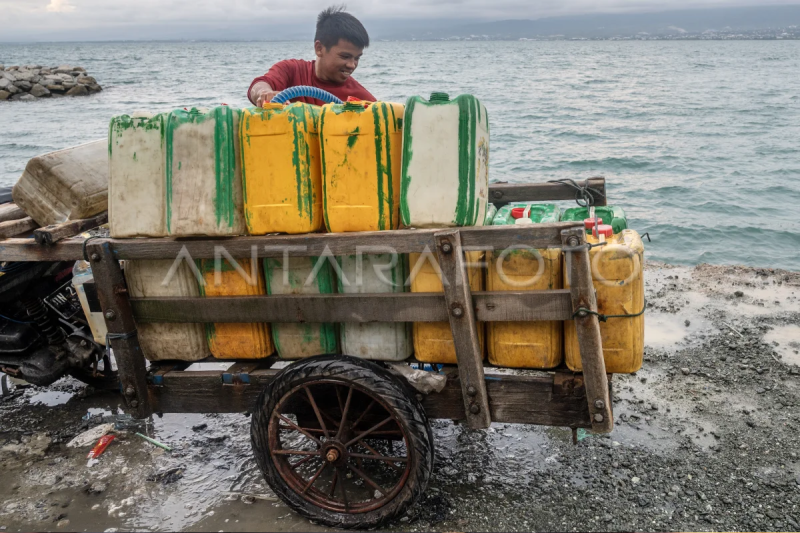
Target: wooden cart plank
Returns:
[[588, 330], [332, 244], [515, 400], [506, 306], [113, 296], [11, 228], [464, 328], [512, 399], [56, 232], [11, 212], [503, 193], [30, 250]]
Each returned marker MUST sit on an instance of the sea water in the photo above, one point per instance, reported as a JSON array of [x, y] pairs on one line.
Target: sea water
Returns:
[[699, 140]]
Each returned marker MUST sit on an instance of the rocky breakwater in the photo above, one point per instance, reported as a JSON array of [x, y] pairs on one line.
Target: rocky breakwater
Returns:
[[32, 82]]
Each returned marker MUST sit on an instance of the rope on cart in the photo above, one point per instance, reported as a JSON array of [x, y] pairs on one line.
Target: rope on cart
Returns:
[[584, 196], [83, 246], [603, 318], [119, 336]]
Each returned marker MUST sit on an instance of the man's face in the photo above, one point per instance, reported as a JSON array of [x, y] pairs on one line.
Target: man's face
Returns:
[[338, 62]]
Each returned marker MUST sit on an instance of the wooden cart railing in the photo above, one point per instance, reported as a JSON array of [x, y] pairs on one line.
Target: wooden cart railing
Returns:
[[560, 398]]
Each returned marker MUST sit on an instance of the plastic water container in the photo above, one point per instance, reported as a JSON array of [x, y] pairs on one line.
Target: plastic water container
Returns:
[[617, 274], [612, 215], [361, 143], [156, 279], [383, 341], [69, 184], [491, 212], [230, 340], [82, 273], [433, 341], [445, 180], [203, 172], [281, 168], [525, 344], [136, 185], [298, 340]]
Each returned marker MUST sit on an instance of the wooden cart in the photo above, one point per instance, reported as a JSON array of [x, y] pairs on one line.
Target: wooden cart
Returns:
[[340, 439]]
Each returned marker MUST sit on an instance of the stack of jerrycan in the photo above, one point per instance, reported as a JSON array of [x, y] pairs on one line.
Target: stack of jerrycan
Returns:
[[361, 153], [445, 162], [617, 274], [526, 344], [283, 194], [445, 184], [238, 278], [178, 174], [301, 275]]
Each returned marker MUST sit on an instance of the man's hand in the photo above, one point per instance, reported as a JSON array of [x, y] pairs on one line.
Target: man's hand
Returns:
[[262, 93]]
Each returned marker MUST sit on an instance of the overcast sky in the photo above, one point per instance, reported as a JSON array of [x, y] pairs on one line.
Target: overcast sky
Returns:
[[39, 19]]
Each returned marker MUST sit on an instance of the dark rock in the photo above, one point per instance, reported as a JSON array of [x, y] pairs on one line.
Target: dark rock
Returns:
[[738, 294], [24, 85], [86, 80], [167, 476], [38, 91], [78, 90], [4, 95], [94, 88], [199, 427]]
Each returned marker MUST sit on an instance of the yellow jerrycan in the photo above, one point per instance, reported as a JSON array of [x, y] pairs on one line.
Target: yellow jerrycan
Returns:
[[433, 341], [230, 340], [525, 344], [361, 145], [281, 168], [617, 274]]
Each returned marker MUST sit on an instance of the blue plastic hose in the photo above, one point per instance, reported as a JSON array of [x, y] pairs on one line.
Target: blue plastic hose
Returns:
[[306, 91]]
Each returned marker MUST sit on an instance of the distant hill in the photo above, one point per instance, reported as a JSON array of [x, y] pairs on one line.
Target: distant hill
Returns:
[[611, 25]]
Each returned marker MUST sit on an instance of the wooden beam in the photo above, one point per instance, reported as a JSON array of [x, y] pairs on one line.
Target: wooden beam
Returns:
[[30, 250], [11, 212], [461, 314], [588, 329], [113, 295], [11, 228], [505, 306], [515, 400], [512, 399], [503, 193], [318, 244], [315, 244], [56, 232]]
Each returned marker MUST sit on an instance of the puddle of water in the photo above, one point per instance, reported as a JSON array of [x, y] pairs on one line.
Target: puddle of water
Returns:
[[662, 330], [788, 339], [51, 398]]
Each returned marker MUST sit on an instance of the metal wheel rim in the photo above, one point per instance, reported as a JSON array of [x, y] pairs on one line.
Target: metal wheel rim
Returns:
[[304, 486]]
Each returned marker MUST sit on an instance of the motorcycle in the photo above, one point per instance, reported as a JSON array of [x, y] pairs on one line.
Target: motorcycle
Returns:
[[44, 333]]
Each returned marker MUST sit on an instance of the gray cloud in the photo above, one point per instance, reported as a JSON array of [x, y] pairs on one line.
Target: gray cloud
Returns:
[[130, 19]]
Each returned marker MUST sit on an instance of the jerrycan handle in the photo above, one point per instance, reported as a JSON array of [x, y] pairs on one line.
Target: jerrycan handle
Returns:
[[526, 216]]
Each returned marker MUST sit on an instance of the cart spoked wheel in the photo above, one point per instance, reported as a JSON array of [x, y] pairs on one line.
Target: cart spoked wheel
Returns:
[[342, 441]]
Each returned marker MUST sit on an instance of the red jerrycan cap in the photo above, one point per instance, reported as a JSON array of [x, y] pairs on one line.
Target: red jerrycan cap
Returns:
[[605, 230], [517, 212], [588, 223]]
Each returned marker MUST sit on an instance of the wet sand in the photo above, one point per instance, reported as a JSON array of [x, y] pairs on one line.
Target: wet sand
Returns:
[[705, 439]]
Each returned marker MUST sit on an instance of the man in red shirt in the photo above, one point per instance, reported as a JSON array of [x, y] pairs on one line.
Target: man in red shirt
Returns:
[[338, 44]]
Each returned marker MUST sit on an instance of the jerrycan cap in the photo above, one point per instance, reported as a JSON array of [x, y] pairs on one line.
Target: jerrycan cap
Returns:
[[588, 223], [605, 229], [439, 97], [518, 212]]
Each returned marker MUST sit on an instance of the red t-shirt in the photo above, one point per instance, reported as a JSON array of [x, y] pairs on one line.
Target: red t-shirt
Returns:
[[293, 72]]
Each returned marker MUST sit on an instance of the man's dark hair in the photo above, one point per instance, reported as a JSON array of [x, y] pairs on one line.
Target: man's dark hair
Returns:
[[335, 23]]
